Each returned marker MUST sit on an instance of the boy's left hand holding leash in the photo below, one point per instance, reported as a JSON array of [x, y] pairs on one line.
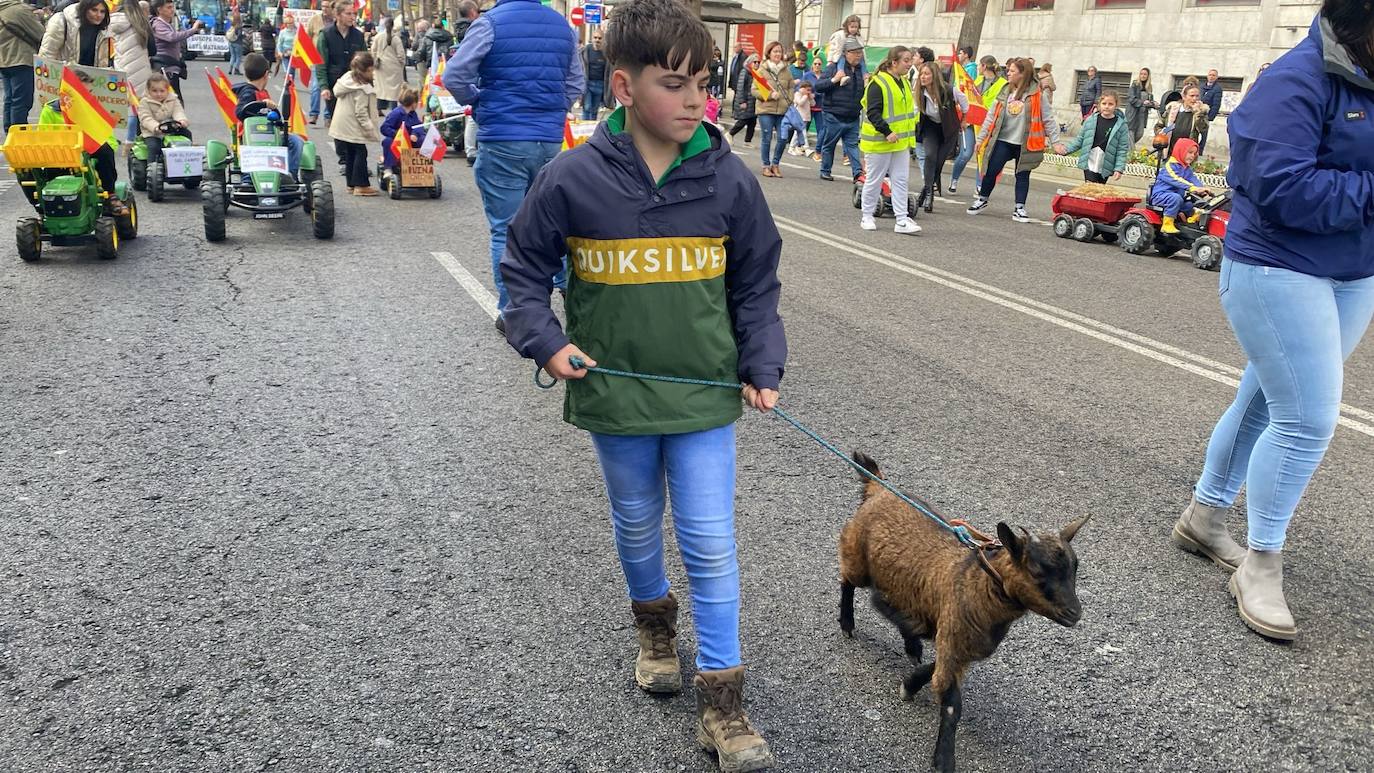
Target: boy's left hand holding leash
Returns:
[[761, 400], [560, 367]]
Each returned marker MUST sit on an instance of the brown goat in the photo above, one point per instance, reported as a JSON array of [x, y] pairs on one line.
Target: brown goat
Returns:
[[931, 586]]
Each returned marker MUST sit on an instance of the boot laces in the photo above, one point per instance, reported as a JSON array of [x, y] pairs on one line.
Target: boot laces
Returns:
[[660, 635], [728, 699]]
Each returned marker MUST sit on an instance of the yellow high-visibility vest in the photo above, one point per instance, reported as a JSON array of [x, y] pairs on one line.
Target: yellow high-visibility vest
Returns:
[[899, 111]]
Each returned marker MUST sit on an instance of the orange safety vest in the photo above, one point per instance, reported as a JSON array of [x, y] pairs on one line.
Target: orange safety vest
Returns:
[[1035, 135]]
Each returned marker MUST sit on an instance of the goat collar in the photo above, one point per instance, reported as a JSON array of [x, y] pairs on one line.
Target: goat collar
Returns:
[[983, 552]]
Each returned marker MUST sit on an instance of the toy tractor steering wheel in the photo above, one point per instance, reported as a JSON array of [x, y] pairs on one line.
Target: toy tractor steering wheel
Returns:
[[259, 106], [169, 128]]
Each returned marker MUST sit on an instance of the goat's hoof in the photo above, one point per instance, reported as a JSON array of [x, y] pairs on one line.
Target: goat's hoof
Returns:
[[906, 694]]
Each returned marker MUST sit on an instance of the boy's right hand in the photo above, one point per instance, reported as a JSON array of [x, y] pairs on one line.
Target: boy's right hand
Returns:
[[560, 368]]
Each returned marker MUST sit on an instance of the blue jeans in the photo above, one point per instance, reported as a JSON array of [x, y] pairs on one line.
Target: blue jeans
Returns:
[[235, 57], [18, 94], [699, 469], [591, 100], [965, 153], [846, 132], [1297, 331], [770, 127], [294, 147], [504, 173], [315, 97]]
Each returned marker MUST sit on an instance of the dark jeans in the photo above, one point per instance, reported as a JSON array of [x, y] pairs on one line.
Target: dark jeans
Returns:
[[1094, 177], [591, 100], [838, 130], [154, 144], [1001, 153], [355, 163], [105, 167], [746, 122], [18, 94], [936, 150]]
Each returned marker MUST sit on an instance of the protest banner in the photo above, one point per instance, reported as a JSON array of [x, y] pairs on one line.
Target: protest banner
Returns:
[[184, 161], [209, 45], [109, 87], [258, 158], [416, 170]]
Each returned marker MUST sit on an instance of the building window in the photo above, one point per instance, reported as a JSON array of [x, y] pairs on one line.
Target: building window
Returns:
[[1117, 3], [1120, 82], [1030, 5], [955, 6], [901, 6], [1214, 3]]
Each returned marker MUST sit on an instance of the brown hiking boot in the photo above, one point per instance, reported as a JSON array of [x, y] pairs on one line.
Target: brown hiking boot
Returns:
[[657, 669], [722, 725]]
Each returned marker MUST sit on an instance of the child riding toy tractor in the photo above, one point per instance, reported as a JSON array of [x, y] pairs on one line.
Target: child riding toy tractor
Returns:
[[59, 180], [261, 182], [160, 173]]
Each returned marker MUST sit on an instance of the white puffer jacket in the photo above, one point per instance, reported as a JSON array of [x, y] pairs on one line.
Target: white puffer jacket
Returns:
[[131, 51], [62, 39]]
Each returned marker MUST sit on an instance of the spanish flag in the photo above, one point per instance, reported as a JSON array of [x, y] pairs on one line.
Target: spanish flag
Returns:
[[225, 99], [762, 82], [976, 113], [305, 57], [296, 120], [81, 109], [568, 140], [402, 141]]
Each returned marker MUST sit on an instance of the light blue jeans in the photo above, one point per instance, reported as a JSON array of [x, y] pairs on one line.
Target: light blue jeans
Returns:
[[965, 153], [504, 173], [771, 128], [699, 470], [1297, 331]]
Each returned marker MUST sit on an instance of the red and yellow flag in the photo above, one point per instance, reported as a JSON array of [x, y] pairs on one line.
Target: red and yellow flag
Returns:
[[224, 98], [295, 122], [305, 57], [568, 140], [81, 109], [976, 113], [762, 83], [402, 140]]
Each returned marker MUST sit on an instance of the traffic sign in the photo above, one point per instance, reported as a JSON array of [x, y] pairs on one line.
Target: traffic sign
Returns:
[[576, 16], [592, 12]]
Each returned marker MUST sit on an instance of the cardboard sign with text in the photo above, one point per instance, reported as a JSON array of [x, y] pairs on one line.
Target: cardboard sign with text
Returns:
[[110, 87], [258, 158], [416, 170], [184, 161]]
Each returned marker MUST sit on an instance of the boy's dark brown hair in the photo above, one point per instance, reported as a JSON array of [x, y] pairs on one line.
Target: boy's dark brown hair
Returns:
[[255, 67], [664, 33]]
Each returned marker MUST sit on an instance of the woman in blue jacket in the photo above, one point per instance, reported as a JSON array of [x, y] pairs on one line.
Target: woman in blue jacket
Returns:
[[1298, 288]]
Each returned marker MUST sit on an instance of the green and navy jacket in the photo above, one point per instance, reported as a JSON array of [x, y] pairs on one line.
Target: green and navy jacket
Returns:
[[676, 276]]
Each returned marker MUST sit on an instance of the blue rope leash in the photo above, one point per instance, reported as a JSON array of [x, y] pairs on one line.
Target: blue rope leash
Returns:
[[959, 531]]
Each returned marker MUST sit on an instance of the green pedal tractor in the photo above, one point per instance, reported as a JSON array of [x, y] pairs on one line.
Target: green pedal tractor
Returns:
[[179, 164], [239, 175], [59, 180]]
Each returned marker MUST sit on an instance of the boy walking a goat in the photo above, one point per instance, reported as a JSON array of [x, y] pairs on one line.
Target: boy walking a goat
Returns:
[[674, 272]]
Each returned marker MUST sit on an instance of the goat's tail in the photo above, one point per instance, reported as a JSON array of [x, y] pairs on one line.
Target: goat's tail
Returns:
[[870, 487]]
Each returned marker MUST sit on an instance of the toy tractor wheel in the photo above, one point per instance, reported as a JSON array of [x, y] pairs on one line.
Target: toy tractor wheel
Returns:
[[106, 238], [1136, 234], [138, 173], [322, 213], [1084, 230], [212, 197], [1207, 253], [858, 197], [28, 237], [127, 224], [438, 189], [393, 186], [1063, 226], [157, 181]]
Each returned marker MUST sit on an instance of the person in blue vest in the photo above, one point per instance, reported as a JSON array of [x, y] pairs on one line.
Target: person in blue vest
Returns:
[[1297, 286], [1211, 97], [525, 56]]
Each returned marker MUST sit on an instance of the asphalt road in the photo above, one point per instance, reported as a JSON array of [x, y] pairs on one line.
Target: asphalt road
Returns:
[[282, 504]]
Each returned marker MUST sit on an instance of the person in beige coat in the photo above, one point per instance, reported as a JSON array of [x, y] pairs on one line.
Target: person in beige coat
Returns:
[[132, 31], [62, 40], [772, 106], [159, 105], [355, 122], [390, 54]]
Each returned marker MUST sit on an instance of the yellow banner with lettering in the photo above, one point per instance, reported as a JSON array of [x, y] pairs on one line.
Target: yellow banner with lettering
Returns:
[[647, 261]]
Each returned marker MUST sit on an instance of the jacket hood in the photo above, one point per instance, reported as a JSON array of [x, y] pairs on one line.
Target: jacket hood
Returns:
[[1181, 149], [619, 149], [347, 84], [1337, 59]]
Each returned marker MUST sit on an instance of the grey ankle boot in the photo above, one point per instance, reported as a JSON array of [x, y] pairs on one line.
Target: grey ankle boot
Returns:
[[1202, 530], [1258, 588]]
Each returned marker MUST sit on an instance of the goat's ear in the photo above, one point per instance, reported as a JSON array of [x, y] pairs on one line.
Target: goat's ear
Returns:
[[1014, 544], [1067, 533]]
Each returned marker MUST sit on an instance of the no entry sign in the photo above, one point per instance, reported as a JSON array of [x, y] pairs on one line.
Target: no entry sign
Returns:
[[577, 16]]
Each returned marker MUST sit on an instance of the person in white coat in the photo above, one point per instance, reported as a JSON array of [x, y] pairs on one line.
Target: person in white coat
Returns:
[[80, 34], [132, 31], [390, 54]]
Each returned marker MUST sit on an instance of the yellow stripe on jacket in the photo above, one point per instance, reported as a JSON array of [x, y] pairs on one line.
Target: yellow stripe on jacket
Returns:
[[647, 260]]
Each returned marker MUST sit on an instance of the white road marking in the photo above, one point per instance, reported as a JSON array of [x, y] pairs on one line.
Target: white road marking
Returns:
[[1132, 342], [469, 282]]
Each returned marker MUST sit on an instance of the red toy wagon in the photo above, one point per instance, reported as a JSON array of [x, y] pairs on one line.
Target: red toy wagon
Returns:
[[1084, 216]]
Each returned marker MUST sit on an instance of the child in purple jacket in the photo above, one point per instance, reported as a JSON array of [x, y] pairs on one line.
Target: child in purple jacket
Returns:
[[403, 114]]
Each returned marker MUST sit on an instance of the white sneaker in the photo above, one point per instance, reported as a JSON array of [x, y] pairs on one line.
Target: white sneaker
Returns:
[[979, 204], [867, 223], [907, 226], [1019, 215]]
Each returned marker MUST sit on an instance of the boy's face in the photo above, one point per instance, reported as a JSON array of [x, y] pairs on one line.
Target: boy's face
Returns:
[[1190, 156], [668, 103], [158, 91]]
